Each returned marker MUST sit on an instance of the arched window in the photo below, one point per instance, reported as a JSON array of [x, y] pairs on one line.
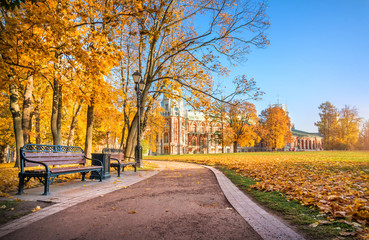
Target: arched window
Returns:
[[202, 142]]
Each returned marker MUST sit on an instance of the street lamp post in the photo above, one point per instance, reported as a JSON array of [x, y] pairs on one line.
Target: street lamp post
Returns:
[[140, 85], [107, 139]]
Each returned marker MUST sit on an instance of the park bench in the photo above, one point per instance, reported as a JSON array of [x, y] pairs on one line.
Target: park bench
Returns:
[[117, 160], [53, 160]]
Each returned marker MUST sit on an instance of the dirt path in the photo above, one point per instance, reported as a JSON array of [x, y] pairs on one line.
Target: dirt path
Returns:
[[182, 202]]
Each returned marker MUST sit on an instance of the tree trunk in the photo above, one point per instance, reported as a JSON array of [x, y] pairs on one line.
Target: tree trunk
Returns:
[[89, 128], [3, 149], [59, 116], [27, 110], [122, 139], [54, 113], [235, 146], [132, 138], [73, 124], [38, 122], [222, 136], [17, 121]]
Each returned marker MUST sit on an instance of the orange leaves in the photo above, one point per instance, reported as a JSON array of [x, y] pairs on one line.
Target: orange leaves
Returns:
[[275, 127], [334, 182], [36, 209], [8, 179]]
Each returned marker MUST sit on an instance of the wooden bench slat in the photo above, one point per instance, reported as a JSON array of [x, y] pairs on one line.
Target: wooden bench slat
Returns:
[[49, 154], [54, 162], [56, 159], [68, 169], [65, 169]]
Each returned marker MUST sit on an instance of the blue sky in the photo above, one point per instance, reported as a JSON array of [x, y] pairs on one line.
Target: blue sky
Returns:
[[319, 52]]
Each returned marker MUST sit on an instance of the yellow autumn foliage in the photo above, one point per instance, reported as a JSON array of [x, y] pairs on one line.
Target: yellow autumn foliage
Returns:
[[9, 179]]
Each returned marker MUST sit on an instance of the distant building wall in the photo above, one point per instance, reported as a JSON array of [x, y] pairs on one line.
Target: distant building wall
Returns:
[[188, 132]]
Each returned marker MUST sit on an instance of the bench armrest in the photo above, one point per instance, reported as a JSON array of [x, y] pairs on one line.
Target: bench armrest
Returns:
[[115, 159], [40, 163], [94, 159]]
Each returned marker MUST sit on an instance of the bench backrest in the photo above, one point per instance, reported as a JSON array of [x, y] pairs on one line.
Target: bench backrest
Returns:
[[119, 156], [112, 150], [51, 155], [114, 153]]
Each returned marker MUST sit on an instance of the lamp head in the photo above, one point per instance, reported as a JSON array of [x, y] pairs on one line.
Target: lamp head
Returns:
[[136, 77], [141, 85]]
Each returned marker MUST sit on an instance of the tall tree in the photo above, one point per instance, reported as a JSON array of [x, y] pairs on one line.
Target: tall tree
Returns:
[[17, 65], [349, 127], [243, 120], [328, 124], [76, 110], [27, 110], [71, 47], [154, 126], [175, 58], [17, 120], [364, 136], [276, 127]]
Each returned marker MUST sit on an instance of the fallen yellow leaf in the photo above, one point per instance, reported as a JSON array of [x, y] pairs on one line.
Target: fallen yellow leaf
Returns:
[[36, 209], [313, 225]]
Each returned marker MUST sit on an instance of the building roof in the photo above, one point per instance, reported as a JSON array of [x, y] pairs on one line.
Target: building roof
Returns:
[[299, 133], [195, 115]]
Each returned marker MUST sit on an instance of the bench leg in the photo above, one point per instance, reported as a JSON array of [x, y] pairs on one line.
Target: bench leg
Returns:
[[83, 176], [21, 184], [135, 167], [119, 170], [46, 186], [101, 175]]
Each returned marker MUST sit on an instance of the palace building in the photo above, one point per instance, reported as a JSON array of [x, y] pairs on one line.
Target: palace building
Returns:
[[189, 132], [303, 141]]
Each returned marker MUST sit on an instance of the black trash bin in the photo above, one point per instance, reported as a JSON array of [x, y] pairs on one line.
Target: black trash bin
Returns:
[[105, 159]]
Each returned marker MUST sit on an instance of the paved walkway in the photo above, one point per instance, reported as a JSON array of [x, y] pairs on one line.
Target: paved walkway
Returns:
[[65, 195], [69, 194], [266, 225]]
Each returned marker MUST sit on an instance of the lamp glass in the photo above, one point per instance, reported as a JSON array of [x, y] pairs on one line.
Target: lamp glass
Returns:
[[142, 85], [136, 76]]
